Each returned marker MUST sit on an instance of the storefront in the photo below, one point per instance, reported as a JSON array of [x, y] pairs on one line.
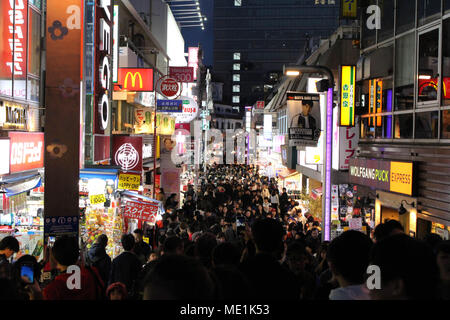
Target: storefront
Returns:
[[22, 190], [394, 183], [100, 208]]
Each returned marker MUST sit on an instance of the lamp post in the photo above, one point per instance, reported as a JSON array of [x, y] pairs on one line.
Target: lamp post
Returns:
[[296, 71]]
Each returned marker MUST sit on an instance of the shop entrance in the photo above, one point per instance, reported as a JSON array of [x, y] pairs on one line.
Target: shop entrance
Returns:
[[389, 214]]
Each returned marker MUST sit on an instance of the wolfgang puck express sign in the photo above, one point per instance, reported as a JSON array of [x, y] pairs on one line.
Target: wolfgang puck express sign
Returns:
[[383, 175]]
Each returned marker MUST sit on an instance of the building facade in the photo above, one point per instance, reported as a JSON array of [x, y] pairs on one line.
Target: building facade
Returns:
[[403, 96], [254, 38]]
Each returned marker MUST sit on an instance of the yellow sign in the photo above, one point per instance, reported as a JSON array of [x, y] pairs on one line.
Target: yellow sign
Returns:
[[348, 96], [129, 181], [146, 240], [349, 9], [133, 79], [401, 177], [98, 198]]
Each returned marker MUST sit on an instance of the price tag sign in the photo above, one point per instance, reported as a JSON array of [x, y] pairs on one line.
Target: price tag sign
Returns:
[[129, 181], [98, 198]]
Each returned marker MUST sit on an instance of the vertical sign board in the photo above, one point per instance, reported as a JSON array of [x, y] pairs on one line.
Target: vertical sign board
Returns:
[[348, 96], [349, 9], [62, 130], [103, 70], [193, 59]]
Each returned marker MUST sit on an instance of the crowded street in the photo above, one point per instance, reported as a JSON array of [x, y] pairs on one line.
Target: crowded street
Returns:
[[224, 157]]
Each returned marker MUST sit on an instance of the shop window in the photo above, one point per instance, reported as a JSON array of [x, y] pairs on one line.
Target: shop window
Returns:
[[383, 128], [367, 129], [368, 36], [33, 87], [428, 66], [428, 10], [445, 124], [36, 3], [405, 15], [427, 125], [446, 62], [387, 20], [403, 126], [404, 72]]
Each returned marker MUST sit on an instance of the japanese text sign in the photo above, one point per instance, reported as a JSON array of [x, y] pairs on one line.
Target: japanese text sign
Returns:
[[348, 96], [129, 181], [141, 211], [27, 151], [169, 105], [182, 74]]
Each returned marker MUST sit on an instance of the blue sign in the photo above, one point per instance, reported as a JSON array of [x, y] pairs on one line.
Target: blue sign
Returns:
[[169, 106], [61, 226]]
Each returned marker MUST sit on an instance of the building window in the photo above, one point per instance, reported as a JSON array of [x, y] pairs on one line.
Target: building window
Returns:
[[405, 16], [427, 125], [236, 88], [237, 66], [404, 72], [237, 56], [387, 20], [428, 66], [446, 62], [237, 3], [428, 10], [445, 124], [403, 126], [368, 35], [236, 77], [236, 99]]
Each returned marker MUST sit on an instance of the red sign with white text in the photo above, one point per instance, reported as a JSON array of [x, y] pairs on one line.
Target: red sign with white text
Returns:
[[170, 87], [13, 46], [135, 79], [26, 151], [182, 74], [140, 211]]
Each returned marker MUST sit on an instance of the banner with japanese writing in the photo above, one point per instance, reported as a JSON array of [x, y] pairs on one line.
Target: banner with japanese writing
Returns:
[[129, 181], [140, 211]]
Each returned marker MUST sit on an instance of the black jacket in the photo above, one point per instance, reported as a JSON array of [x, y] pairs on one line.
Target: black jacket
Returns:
[[142, 251], [5, 268], [125, 268], [98, 258]]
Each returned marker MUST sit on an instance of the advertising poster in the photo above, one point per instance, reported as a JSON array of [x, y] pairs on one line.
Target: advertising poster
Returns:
[[304, 118]]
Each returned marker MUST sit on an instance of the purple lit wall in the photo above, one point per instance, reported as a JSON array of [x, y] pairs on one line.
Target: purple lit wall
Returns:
[[389, 118], [329, 160]]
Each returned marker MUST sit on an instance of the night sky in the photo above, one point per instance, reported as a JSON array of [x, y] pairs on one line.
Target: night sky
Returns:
[[195, 36]]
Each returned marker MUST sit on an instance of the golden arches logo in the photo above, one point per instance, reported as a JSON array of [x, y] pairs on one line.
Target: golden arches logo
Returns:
[[133, 80]]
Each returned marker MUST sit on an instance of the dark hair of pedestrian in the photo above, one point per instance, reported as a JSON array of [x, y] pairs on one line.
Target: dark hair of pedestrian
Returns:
[[139, 232], [350, 254], [226, 254], [268, 235], [171, 244], [9, 242], [402, 257], [176, 277], [127, 241], [443, 247], [102, 240], [66, 250]]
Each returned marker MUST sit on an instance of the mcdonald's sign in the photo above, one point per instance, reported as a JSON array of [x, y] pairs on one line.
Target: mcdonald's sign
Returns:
[[135, 79]]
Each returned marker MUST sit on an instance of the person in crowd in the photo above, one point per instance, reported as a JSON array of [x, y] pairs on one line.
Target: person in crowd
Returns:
[[204, 247], [161, 196], [117, 291], [141, 248], [443, 262], [297, 259], [178, 277], [26, 272], [173, 245], [313, 241], [348, 258], [321, 262], [407, 267], [126, 266], [66, 253], [386, 229], [98, 257], [268, 237], [8, 247]]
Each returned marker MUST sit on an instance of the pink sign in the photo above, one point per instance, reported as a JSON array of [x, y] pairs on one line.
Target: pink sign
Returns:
[[193, 59]]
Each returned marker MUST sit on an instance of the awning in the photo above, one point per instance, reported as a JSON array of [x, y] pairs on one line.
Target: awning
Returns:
[[104, 174], [316, 193], [22, 184], [288, 173]]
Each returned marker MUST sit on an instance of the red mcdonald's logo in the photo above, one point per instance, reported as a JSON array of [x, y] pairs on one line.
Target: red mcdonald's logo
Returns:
[[135, 79]]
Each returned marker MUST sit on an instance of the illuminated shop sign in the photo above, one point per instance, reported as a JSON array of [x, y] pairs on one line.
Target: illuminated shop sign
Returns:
[[348, 96], [27, 151], [383, 175], [103, 54], [193, 59], [13, 115], [135, 79]]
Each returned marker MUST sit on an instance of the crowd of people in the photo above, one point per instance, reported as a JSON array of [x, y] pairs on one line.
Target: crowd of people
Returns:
[[237, 237]]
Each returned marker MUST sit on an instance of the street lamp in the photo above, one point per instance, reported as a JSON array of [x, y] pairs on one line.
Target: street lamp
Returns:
[[296, 71]]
